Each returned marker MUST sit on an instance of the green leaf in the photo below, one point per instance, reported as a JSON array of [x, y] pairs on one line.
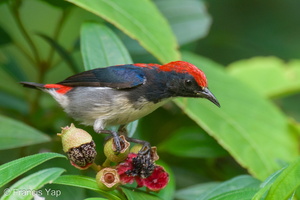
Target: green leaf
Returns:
[[235, 184], [29, 186], [4, 37], [139, 19], [192, 142], [78, 181], [63, 192], [100, 47], [11, 170], [15, 134], [64, 54], [12, 102], [241, 194], [248, 126], [95, 198], [3, 1], [193, 192], [131, 128], [133, 194], [87, 183], [189, 19], [265, 186], [269, 76], [286, 183], [58, 3], [12, 67]]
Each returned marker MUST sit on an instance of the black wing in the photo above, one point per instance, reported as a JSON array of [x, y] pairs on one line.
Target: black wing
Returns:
[[118, 77]]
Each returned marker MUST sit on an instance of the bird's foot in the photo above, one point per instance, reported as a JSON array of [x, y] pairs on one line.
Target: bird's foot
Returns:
[[145, 150], [119, 143]]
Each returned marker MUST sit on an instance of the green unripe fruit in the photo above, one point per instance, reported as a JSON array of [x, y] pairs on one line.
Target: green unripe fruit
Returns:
[[73, 137], [110, 150], [136, 148], [79, 146], [108, 179]]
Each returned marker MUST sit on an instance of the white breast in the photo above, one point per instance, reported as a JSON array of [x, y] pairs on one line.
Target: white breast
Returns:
[[106, 106]]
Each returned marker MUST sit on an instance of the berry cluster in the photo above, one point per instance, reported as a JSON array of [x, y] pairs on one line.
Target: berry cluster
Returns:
[[120, 168]]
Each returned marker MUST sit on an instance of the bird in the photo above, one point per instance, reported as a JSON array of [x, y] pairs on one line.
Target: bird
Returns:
[[120, 94]]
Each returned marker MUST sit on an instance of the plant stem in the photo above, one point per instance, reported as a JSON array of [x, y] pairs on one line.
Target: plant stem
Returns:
[[96, 167], [30, 42], [106, 163], [41, 66], [25, 53], [57, 32]]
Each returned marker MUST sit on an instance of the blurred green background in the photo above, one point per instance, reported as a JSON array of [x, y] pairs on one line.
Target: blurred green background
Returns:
[[256, 42]]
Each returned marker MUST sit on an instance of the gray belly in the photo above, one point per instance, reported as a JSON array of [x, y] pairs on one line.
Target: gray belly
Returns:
[[110, 106]]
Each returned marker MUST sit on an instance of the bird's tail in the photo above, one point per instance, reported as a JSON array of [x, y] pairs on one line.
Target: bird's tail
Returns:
[[33, 85]]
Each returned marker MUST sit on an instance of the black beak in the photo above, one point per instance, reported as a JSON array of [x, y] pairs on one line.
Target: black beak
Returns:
[[205, 93]]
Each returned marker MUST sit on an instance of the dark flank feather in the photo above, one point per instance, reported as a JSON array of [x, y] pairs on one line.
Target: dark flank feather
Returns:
[[118, 77]]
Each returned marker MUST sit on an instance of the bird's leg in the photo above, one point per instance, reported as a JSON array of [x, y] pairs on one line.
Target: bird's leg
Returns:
[[118, 142], [146, 145], [122, 130]]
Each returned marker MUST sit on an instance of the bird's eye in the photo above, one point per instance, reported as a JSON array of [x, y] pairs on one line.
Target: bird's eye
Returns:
[[188, 82]]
